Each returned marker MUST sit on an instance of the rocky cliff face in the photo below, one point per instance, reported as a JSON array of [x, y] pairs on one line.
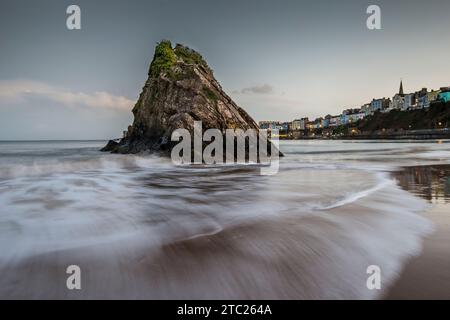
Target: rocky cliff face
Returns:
[[180, 89]]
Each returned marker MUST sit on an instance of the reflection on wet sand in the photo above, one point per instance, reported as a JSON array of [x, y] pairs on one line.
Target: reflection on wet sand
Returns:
[[427, 276], [430, 182]]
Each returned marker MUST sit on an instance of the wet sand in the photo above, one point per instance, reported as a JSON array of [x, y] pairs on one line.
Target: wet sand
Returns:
[[427, 276]]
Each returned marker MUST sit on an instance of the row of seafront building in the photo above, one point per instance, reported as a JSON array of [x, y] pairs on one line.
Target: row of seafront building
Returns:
[[400, 101]]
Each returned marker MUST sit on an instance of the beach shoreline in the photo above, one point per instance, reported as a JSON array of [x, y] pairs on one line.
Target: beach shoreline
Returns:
[[140, 228], [426, 276]]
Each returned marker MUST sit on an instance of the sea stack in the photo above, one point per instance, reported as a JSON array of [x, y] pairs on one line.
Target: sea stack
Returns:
[[180, 89]]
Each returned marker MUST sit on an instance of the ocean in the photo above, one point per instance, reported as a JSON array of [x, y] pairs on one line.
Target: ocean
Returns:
[[140, 227]]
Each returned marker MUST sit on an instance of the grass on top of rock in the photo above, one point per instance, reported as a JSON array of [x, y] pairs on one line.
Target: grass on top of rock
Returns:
[[164, 58], [191, 56]]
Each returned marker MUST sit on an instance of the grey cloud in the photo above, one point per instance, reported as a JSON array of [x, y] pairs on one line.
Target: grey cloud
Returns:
[[259, 89], [20, 89]]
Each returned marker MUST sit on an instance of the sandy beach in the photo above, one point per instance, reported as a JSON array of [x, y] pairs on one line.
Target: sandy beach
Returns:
[[428, 275], [140, 228]]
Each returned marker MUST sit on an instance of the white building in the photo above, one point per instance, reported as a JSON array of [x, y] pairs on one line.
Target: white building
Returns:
[[299, 124], [335, 121], [354, 117]]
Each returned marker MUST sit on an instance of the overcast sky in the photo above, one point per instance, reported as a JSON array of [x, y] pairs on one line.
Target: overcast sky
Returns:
[[280, 60]]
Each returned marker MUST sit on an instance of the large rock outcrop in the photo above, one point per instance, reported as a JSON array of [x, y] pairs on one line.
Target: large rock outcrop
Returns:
[[180, 89]]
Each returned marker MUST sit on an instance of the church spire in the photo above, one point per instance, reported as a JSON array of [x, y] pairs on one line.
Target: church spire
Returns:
[[400, 91]]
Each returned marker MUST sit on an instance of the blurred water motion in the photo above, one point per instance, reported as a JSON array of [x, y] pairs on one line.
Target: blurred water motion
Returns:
[[141, 228]]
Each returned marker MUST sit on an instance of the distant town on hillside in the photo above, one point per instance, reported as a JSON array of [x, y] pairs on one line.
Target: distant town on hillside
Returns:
[[410, 109]]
